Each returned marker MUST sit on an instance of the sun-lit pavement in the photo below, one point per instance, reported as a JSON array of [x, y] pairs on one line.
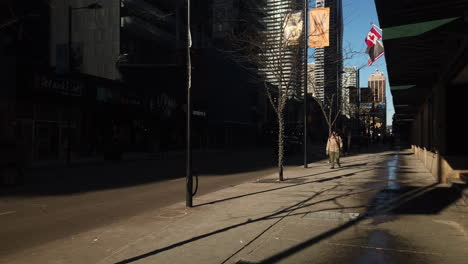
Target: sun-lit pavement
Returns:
[[59, 202], [378, 208]]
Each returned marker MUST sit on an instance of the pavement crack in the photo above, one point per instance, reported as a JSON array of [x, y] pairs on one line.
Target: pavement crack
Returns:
[[6, 213], [386, 249]]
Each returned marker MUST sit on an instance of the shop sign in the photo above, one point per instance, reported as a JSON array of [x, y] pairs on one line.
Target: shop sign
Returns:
[[59, 85]]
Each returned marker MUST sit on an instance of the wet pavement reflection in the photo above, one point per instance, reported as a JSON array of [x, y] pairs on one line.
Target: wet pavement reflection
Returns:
[[392, 169], [400, 199]]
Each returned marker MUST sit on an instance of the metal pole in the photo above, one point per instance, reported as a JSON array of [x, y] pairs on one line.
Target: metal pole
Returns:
[[306, 61], [189, 183], [70, 65]]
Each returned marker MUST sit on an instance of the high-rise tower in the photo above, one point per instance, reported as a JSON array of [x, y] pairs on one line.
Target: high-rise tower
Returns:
[[276, 12], [329, 60], [377, 85]]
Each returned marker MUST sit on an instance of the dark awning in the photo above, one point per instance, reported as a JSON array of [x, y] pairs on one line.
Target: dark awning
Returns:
[[424, 43]]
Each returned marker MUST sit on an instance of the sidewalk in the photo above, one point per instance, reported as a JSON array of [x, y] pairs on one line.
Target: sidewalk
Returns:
[[378, 208]]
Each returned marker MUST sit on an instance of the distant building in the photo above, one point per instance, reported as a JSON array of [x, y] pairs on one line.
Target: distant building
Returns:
[[366, 97], [376, 83], [311, 78], [329, 60], [350, 90], [350, 76]]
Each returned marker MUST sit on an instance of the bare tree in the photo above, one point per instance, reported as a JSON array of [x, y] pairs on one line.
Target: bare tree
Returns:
[[331, 110], [275, 58], [330, 103]]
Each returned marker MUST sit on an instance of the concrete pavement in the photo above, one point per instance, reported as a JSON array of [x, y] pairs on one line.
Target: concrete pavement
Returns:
[[381, 207]]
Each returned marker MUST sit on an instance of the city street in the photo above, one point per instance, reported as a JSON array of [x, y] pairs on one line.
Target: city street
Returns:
[[233, 132], [62, 202], [380, 207]]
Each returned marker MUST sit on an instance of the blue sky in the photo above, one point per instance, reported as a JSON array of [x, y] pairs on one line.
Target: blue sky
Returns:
[[357, 15]]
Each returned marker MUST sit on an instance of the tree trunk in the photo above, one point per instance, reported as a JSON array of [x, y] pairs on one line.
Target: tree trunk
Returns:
[[280, 145], [350, 134]]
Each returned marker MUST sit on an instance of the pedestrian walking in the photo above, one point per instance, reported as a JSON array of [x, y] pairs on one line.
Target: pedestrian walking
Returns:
[[334, 146]]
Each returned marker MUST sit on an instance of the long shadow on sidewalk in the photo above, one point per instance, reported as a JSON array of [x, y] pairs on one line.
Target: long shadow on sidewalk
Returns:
[[427, 200], [286, 211], [287, 181], [411, 200]]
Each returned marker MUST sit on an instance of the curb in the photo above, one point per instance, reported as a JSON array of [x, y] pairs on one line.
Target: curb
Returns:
[[459, 184]]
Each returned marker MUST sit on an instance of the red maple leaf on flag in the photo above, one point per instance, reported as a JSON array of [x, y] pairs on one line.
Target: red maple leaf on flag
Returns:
[[372, 37]]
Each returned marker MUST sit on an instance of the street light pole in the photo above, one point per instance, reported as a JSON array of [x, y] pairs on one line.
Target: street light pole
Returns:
[[306, 45], [189, 182], [70, 66]]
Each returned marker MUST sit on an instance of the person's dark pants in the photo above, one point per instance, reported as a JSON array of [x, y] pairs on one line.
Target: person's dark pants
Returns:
[[334, 158]]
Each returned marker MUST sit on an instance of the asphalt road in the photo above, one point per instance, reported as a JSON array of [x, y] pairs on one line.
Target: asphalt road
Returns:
[[63, 202]]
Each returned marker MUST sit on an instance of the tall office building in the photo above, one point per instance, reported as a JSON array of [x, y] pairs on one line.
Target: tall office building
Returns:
[[329, 60], [377, 85], [311, 78], [350, 84], [377, 88], [94, 35], [350, 76], [276, 11]]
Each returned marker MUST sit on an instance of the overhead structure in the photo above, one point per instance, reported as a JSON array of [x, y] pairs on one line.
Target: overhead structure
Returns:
[[426, 49], [423, 41]]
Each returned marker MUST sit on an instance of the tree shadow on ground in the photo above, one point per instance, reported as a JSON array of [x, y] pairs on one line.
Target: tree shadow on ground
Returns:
[[429, 200], [287, 181], [280, 215]]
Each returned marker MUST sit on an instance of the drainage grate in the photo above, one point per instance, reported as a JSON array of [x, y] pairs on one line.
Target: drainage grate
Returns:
[[277, 181], [332, 215]]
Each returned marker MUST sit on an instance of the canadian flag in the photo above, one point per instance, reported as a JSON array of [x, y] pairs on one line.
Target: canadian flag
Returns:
[[372, 37], [375, 52]]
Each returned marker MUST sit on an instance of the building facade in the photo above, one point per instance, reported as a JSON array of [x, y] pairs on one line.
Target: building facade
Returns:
[[127, 82], [311, 78], [350, 84], [94, 35], [281, 64], [376, 83], [329, 60]]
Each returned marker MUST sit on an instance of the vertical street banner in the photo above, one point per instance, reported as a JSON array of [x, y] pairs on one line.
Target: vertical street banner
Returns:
[[293, 25], [319, 27]]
